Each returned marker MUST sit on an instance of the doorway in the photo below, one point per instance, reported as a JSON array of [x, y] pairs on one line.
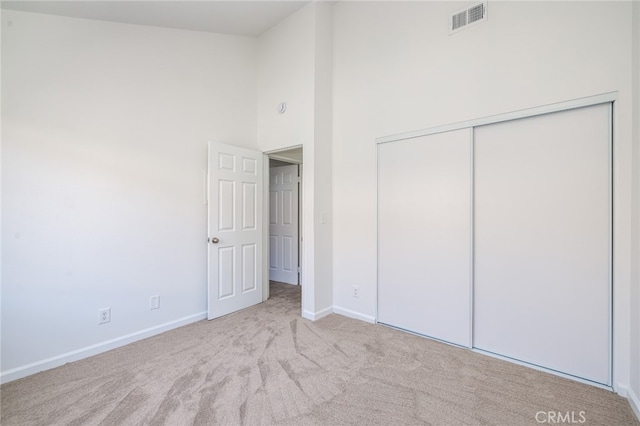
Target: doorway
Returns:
[[238, 222], [285, 216]]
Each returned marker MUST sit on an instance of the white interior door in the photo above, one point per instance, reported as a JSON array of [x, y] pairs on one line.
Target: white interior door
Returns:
[[283, 224], [424, 235], [235, 229], [542, 241]]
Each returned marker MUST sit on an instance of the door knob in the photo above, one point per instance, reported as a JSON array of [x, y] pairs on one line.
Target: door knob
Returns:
[[214, 240]]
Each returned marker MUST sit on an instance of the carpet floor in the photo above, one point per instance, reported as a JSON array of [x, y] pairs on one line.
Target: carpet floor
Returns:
[[268, 366]]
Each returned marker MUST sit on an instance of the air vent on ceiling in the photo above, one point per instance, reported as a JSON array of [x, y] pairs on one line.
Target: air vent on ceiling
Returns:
[[465, 18]]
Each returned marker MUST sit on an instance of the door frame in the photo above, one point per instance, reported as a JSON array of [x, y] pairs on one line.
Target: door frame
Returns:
[[265, 218]]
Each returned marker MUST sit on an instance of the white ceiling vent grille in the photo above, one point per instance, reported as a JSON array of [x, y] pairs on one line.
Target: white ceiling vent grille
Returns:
[[467, 17], [458, 20]]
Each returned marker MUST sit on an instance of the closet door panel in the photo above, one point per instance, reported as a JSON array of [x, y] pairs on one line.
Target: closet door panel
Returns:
[[542, 241], [424, 245]]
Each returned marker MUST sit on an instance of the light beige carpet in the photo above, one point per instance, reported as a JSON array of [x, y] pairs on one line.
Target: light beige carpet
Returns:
[[266, 365]]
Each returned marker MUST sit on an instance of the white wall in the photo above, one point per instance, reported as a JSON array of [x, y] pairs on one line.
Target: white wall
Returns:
[[1, 173], [294, 67], [396, 69], [635, 277], [105, 130], [322, 146], [285, 74]]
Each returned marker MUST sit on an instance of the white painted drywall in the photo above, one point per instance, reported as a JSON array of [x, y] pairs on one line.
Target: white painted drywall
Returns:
[[635, 276], [396, 69], [285, 74], [294, 66], [105, 130], [322, 147]]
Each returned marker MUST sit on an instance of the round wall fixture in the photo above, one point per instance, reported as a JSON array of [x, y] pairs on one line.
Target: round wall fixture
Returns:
[[282, 107]]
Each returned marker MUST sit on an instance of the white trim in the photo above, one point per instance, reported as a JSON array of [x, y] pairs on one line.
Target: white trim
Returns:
[[353, 314], [286, 148], [611, 238], [377, 312], [314, 316], [633, 399], [265, 227], [300, 223], [424, 336], [543, 369], [472, 241], [515, 115], [324, 312], [274, 154], [622, 390], [284, 158], [57, 361]]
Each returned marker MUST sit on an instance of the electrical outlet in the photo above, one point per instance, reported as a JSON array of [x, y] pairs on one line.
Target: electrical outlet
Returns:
[[356, 291], [154, 302], [104, 315]]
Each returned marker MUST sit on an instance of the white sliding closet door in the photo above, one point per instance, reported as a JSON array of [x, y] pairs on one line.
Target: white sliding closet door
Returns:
[[424, 240], [542, 241]]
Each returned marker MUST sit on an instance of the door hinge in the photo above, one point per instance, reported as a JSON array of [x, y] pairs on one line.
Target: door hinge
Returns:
[[299, 269]]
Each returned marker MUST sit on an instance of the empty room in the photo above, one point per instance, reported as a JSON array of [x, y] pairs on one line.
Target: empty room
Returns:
[[320, 212]]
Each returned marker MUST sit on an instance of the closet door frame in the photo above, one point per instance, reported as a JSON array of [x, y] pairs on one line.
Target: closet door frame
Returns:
[[615, 345]]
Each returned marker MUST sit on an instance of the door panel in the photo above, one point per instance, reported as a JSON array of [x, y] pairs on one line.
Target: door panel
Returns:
[[287, 258], [424, 196], [226, 268], [283, 224], [226, 205], [287, 207], [249, 206], [249, 270], [273, 252], [542, 241], [235, 229]]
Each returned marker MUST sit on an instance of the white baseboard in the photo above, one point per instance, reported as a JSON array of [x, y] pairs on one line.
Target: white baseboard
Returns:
[[634, 401], [57, 361], [353, 314], [313, 316]]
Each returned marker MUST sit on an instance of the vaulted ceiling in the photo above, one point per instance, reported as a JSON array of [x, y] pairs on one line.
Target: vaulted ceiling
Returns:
[[239, 17]]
